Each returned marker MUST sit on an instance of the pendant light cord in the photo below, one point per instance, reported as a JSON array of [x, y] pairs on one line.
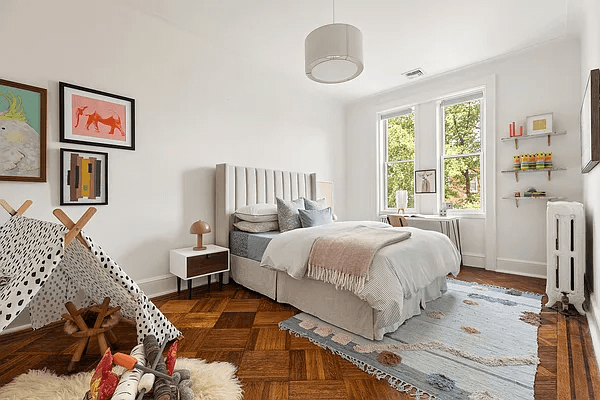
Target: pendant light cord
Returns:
[[333, 8]]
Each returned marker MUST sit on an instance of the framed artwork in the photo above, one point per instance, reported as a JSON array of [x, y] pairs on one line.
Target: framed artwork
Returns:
[[83, 177], [96, 118], [539, 124], [22, 132], [589, 123], [425, 181]]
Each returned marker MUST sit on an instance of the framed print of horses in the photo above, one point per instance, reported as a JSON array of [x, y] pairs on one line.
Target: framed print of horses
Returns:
[[22, 132], [96, 118]]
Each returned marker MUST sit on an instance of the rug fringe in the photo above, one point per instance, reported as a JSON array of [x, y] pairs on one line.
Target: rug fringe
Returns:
[[394, 382]]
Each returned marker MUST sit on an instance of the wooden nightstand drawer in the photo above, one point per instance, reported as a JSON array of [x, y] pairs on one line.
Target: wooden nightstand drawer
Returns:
[[206, 264]]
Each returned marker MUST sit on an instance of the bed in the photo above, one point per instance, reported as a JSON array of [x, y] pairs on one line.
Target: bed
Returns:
[[237, 186]]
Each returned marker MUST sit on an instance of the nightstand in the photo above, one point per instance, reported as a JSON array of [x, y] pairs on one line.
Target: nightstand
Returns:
[[188, 264]]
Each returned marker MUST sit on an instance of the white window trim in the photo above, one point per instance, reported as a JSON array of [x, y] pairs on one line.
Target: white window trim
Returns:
[[483, 153], [382, 182]]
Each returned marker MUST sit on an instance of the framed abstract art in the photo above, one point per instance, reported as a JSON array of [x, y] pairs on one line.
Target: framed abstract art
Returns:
[[96, 118], [22, 132], [589, 123], [83, 177]]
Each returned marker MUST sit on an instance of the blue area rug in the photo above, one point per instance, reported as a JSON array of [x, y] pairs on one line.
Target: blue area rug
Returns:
[[475, 342]]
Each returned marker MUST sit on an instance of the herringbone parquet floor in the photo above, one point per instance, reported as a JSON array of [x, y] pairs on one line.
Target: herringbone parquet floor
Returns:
[[240, 326]]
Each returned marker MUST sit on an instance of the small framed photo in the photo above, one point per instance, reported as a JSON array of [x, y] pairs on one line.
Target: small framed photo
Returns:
[[23, 132], [83, 177], [425, 181], [539, 124], [96, 118]]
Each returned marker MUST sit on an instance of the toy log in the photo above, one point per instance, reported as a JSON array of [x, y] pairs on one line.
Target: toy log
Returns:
[[128, 384], [162, 389]]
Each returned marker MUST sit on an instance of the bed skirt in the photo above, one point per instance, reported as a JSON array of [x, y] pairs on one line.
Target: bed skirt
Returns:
[[338, 307]]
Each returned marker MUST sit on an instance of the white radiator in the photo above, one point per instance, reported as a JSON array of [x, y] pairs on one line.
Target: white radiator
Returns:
[[565, 254]]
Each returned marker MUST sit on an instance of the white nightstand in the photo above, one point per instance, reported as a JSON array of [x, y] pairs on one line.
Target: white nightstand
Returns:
[[188, 264]]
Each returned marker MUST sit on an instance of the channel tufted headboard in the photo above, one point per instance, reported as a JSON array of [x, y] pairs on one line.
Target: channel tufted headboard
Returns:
[[241, 186]]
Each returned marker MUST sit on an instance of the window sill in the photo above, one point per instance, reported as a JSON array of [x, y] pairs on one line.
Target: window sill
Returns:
[[466, 214]]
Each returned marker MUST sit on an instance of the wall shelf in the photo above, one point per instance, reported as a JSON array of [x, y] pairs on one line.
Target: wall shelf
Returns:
[[517, 138], [518, 171], [546, 198]]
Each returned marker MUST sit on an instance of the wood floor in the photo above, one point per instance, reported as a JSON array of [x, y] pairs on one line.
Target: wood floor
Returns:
[[240, 326]]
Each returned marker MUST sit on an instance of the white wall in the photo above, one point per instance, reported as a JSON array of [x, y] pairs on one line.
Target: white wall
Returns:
[[197, 105], [538, 80], [586, 22]]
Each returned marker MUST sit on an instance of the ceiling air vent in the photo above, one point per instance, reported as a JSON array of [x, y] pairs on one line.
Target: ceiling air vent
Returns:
[[415, 73]]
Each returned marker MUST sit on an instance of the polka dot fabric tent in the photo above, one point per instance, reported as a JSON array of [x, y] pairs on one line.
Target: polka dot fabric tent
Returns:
[[36, 270]]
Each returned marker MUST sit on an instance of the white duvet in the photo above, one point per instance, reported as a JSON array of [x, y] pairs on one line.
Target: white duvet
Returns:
[[398, 271]]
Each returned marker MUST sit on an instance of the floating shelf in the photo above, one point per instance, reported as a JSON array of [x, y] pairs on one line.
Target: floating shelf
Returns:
[[517, 138], [518, 171], [547, 198]]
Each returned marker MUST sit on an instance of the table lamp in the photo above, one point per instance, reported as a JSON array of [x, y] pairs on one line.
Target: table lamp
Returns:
[[200, 228], [401, 200]]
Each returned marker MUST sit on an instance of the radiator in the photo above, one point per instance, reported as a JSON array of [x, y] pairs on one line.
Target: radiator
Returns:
[[565, 254]]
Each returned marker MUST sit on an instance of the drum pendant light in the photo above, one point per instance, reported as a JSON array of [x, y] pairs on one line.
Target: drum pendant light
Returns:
[[333, 53]]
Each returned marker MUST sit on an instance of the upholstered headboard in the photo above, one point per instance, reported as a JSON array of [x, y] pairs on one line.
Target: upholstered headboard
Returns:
[[241, 186]]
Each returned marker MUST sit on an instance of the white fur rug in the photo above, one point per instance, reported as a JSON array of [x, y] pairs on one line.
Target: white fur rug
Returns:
[[211, 381]]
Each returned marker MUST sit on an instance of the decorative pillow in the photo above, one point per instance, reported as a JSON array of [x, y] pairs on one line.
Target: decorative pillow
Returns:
[[256, 227], [287, 213], [310, 218], [257, 212], [172, 358], [104, 381], [318, 204]]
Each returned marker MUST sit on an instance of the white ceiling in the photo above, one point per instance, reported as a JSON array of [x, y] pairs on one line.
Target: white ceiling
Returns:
[[400, 35]]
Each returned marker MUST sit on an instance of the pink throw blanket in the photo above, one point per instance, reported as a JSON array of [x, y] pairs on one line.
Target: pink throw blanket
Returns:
[[343, 259]]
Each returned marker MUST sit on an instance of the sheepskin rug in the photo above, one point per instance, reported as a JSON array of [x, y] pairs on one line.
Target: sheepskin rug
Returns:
[[211, 381]]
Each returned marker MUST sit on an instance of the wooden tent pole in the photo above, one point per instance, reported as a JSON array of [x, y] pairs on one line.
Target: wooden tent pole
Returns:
[[74, 227], [12, 211]]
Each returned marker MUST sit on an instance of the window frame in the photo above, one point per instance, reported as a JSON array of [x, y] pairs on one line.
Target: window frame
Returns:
[[467, 95], [382, 118]]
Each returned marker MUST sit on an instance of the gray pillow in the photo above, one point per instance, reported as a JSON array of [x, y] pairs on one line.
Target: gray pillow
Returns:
[[318, 204], [256, 227], [287, 214], [310, 218]]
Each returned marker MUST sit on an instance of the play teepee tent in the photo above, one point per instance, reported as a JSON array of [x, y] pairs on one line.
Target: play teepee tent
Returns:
[[42, 267]]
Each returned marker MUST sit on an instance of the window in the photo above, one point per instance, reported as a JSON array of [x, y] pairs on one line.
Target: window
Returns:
[[462, 157], [398, 136]]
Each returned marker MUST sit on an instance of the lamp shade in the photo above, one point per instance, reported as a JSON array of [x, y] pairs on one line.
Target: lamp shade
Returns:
[[333, 53], [200, 227], [401, 199]]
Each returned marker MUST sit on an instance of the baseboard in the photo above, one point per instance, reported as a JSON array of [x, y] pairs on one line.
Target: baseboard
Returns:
[[519, 267], [474, 260], [152, 287], [592, 317]]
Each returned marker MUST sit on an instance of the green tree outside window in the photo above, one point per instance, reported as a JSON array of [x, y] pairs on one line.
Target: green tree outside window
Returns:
[[462, 139], [400, 163]]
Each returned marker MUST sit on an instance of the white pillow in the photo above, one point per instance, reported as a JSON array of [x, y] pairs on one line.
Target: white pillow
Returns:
[[257, 227], [257, 212]]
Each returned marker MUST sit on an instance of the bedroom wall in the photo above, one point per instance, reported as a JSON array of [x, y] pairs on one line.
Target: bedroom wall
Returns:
[[585, 21], [197, 105], [542, 79]]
